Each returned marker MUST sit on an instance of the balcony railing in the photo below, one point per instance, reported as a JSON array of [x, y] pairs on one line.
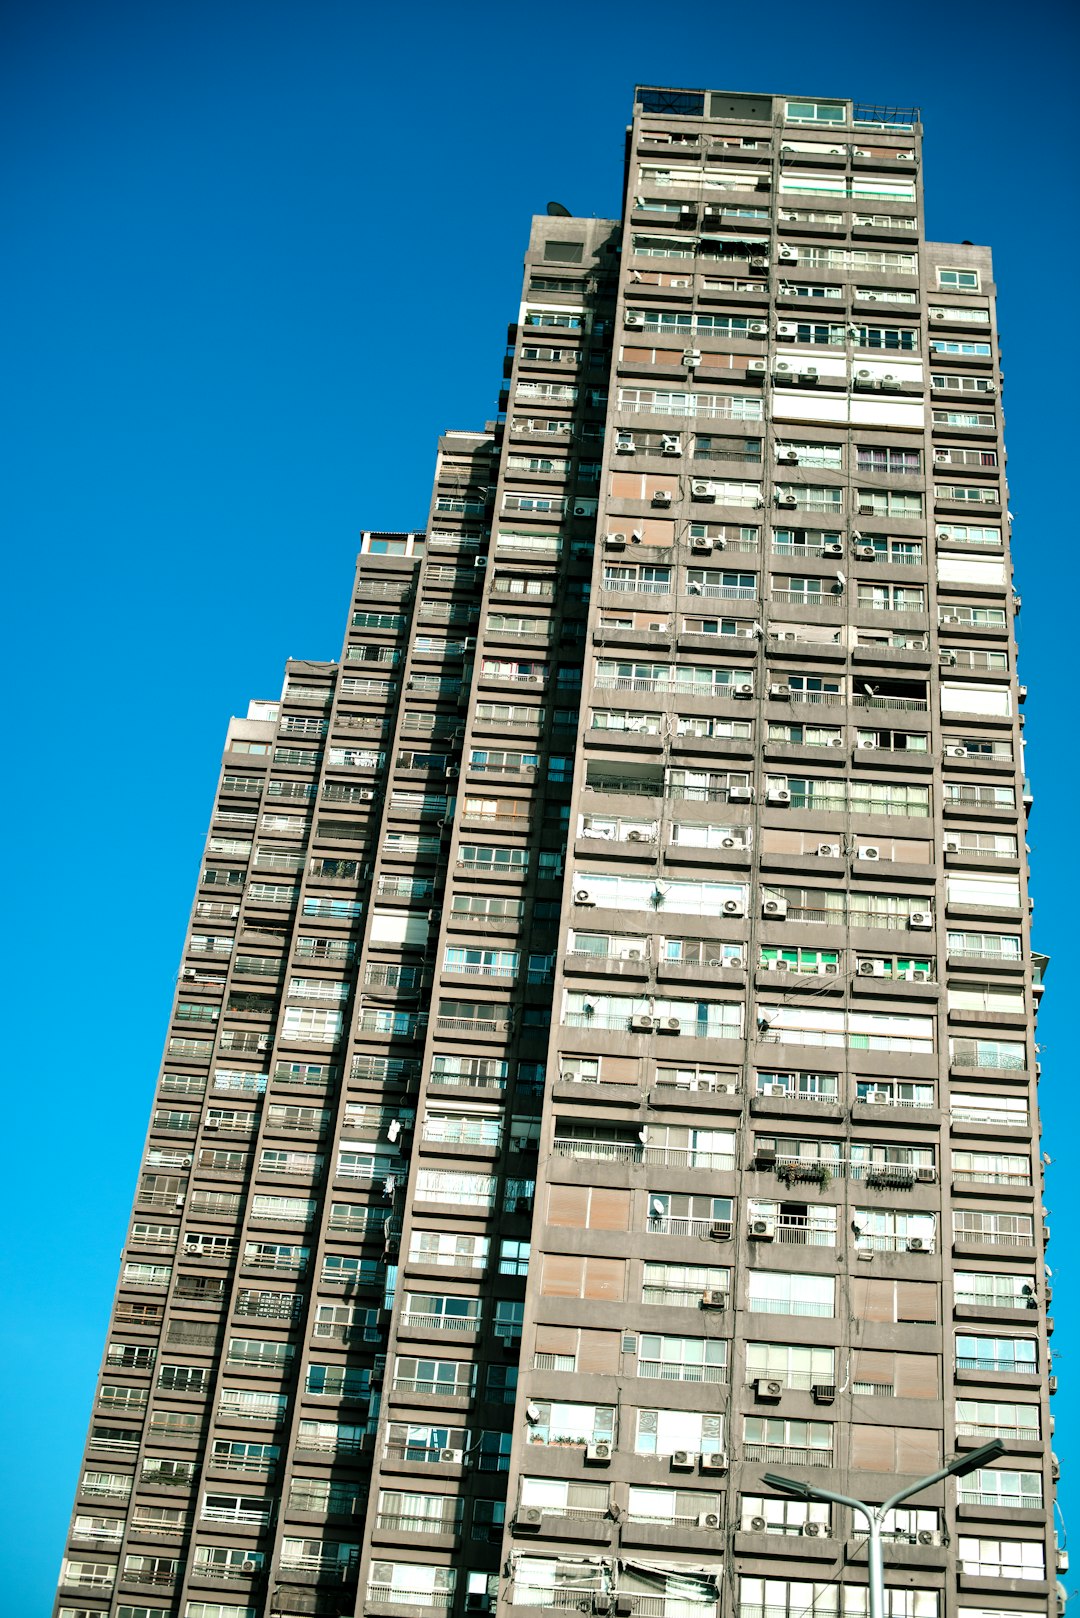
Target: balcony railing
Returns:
[[787, 1454], [389, 1595], [995, 1367], [994, 1238], [993, 1177], [664, 1225], [449, 1323], [631, 1152], [664, 1371], [237, 1514]]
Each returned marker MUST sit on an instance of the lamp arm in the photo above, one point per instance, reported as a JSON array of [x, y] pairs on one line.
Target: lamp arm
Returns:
[[914, 1488]]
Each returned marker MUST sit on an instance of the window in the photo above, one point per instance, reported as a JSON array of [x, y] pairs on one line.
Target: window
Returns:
[[797, 1443], [958, 280], [564, 252], [768, 1515], [663, 1432], [684, 1285], [816, 112], [794, 1366], [556, 1423], [1007, 1488], [682, 1359], [778, 1293], [997, 1356], [1003, 1558]]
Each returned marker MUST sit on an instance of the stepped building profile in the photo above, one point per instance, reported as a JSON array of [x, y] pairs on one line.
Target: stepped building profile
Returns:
[[602, 1073]]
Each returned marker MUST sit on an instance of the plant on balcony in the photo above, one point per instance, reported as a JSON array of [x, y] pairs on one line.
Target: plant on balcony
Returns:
[[792, 1172]]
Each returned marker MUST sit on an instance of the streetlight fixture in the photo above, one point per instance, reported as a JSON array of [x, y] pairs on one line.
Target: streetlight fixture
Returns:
[[958, 1467]]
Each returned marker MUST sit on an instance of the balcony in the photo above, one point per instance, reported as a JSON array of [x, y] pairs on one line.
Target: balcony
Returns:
[[630, 1152]]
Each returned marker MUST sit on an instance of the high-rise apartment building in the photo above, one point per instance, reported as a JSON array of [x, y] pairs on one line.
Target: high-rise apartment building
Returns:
[[603, 1071]]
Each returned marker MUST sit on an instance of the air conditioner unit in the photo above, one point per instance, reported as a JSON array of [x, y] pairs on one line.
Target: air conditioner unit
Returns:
[[452, 1457], [701, 544], [921, 921], [774, 909], [709, 1519], [530, 1518], [774, 1089], [670, 444], [956, 752], [786, 329], [828, 851], [624, 1606], [834, 548], [249, 1566], [808, 373], [683, 1460], [781, 692], [480, 562], [662, 497], [823, 1393], [757, 328], [744, 689], [602, 1604], [641, 1025], [583, 897], [811, 1529], [719, 1232], [692, 357], [866, 553], [584, 510], [787, 255], [714, 1463], [765, 1154], [951, 846], [951, 618], [758, 263], [778, 795], [787, 500], [634, 317], [870, 969], [763, 1230], [869, 853], [778, 966], [928, 1536], [702, 490], [768, 1388], [598, 1452], [713, 1300], [789, 458], [783, 369], [915, 1244], [615, 542], [732, 842], [758, 1525], [366, 795]]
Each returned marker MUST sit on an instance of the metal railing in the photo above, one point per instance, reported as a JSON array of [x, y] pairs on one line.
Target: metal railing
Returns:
[[668, 1225], [787, 1455], [449, 1323], [893, 704], [665, 1371]]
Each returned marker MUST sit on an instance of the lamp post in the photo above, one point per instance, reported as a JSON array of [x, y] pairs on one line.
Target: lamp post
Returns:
[[958, 1467]]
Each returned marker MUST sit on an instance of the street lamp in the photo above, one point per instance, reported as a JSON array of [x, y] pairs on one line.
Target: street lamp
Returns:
[[958, 1467]]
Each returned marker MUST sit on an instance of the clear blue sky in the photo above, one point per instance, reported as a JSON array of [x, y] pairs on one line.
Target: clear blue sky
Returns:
[[236, 236]]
